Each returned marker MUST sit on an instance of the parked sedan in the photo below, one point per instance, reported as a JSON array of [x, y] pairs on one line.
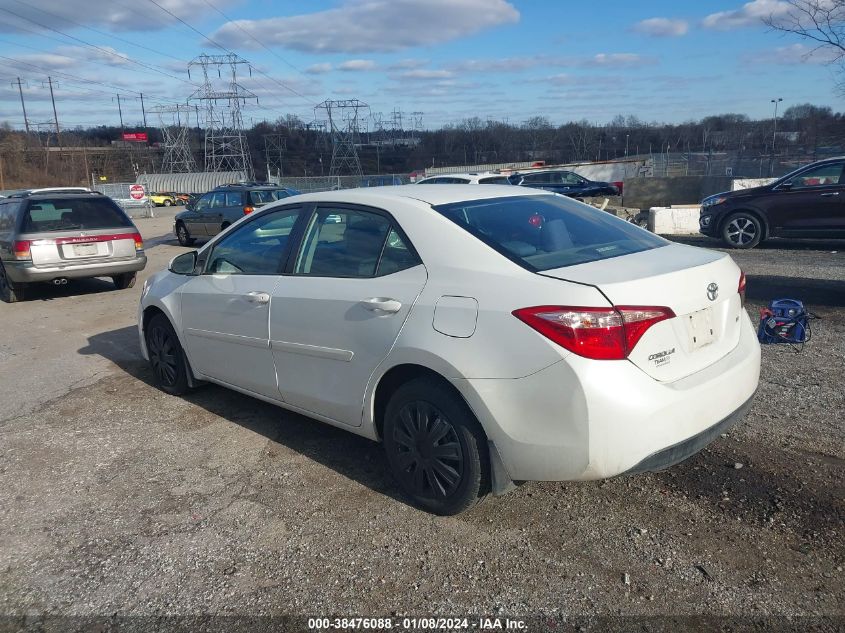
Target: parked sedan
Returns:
[[809, 202], [566, 182], [485, 335]]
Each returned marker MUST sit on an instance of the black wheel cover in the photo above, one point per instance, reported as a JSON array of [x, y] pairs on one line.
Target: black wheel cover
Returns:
[[429, 452], [163, 355]]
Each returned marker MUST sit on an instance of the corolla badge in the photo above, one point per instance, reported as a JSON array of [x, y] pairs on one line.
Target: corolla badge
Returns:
[[712, 291]]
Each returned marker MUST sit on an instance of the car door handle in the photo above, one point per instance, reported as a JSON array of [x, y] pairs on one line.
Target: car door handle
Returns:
[[828, 195], [382, 304], [258, 297]]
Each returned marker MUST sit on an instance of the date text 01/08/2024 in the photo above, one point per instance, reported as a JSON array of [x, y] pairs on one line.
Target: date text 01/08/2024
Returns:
[[417, 624]]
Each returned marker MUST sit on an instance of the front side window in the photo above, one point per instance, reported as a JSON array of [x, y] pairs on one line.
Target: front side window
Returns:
[[546, 232], [218, 200], [352, 243], [494, 180], [203, 202], [70, 214], [569, 178], [819, 177], [255, 248]]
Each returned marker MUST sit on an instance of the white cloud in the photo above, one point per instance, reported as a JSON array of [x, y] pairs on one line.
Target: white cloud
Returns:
[[793, 54], [357, 65], [750, 14], [111, 15], [408, 64], [366, 26], [662, 27], [617, 60], [319, 69], [424, 73]]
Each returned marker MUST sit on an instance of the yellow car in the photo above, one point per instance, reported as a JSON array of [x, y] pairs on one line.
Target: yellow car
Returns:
[[163, 199]]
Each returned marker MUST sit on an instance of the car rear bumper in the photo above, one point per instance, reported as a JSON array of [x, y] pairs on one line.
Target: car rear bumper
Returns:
[[580, 419], [25, 272]]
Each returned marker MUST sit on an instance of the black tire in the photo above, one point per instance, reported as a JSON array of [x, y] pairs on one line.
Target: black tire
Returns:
[[183, 236], [167, 359], [167, 203], [742, 230], [436, 448], [9, 292], [124, 281]]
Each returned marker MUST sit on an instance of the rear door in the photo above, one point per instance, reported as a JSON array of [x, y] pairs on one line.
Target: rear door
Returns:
[[225, 310], [338, 313]]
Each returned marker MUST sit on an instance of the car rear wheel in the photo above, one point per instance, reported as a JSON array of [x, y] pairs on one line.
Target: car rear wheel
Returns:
[[435, 447], [166, 356], [183, 236], [167, 203], [742, 230], [124, 281], [9, 292]]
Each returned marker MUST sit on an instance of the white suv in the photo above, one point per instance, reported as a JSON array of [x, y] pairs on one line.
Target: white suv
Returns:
[[472, 178]]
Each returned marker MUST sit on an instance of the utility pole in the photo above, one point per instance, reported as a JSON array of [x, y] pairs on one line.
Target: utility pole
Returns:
[[143, 111], [774, 134], [120, 112], [55, 114], [23, 105]]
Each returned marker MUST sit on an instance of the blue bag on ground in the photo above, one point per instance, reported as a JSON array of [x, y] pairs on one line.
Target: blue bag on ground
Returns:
[[784, 321]]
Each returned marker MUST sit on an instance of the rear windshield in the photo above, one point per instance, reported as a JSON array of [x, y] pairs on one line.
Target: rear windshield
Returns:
[[494, 180], [546, 232], [68, 214], [264, 196]]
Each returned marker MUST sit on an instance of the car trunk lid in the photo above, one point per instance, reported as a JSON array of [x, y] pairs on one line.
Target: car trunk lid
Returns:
[[698, 285], [58, 248]]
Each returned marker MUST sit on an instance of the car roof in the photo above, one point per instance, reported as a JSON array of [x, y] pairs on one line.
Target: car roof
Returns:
[[430, 194]]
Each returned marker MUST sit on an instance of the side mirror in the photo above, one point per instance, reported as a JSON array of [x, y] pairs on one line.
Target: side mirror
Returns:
[[786, 186], [184, 264]]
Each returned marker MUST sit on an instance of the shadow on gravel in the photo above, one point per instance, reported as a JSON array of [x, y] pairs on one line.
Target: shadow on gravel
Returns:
[[813, 292], [352, 456], [73, 288]]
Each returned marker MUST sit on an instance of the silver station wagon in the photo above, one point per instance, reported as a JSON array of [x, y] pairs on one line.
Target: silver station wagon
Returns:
[[56, 234]]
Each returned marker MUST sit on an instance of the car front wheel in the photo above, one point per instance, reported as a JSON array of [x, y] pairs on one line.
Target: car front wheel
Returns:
[[435, 447], [167, 203], [742, 230], [166, 356]]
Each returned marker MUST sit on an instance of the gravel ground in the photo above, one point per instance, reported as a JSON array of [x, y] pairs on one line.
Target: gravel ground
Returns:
[[118, 500]]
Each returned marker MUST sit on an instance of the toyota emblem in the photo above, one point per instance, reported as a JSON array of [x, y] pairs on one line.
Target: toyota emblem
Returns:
[[712, 291]]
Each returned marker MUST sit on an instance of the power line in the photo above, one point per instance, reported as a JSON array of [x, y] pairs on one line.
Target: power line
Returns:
[[94, 46], [99, 32]]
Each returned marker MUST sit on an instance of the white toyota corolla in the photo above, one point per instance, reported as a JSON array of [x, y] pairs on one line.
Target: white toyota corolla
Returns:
[[486, 335]]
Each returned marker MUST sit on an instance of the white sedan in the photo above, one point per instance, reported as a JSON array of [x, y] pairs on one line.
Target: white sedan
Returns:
[[485, 336]]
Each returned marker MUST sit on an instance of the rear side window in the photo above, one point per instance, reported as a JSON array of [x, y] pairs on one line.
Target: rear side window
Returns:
[[8, 209], [263, 196], [546, 232], [56, 214]]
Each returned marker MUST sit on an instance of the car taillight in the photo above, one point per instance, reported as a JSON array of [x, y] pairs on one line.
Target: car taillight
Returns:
[[139, 242], [597, 333], [22, 250], [248, 210], [741, 288]]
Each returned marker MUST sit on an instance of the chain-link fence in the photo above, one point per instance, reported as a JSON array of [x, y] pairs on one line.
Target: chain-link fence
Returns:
[[119, 192], [307, 184], [727, 164]]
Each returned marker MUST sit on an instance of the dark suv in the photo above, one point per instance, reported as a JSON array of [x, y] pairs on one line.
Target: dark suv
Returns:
[[566, 182], [219, 208], [809, 202]]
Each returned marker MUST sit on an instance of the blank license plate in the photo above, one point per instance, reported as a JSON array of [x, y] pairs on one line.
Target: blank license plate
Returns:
[[84, 250], [701, 328]]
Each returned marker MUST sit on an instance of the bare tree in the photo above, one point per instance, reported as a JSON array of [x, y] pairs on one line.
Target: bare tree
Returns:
[[821, 22]]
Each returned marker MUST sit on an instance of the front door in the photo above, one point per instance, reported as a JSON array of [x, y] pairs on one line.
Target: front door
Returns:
[[194, 220], [212, 215], [335, 318], [813, 203], [225, 310]]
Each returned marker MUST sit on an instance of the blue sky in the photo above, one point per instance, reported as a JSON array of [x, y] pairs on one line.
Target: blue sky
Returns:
[[659, 60]]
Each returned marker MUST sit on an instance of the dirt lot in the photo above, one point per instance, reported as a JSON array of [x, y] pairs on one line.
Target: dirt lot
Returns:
[[118, 500]]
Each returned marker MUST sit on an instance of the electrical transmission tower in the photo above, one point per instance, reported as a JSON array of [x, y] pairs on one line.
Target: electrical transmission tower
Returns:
[[173, 120], [274, 149], [344, 118], [225, 143], [416, 126]]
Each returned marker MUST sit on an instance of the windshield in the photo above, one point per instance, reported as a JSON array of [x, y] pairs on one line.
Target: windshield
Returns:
[[546, 232], [68, 214]]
